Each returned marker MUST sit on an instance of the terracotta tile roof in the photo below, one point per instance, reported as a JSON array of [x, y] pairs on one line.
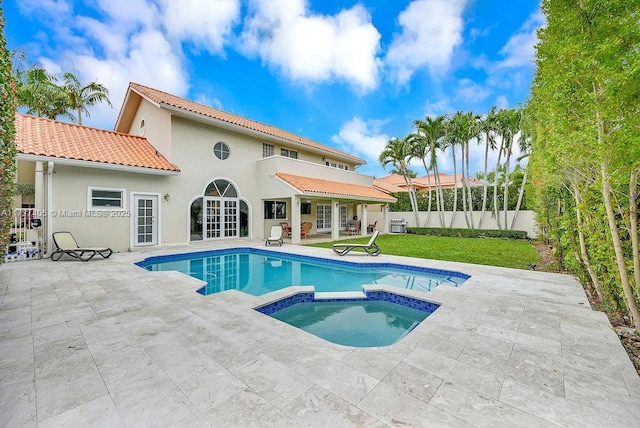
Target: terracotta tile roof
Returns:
[[394, 179], [326, 187], [160, 97], [446, 180], [419, 183], [387, 187], [50, 138]]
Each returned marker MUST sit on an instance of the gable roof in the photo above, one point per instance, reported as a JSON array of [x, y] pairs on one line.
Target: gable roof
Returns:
[[419, 183], [172, 102], [388, 187], [318, 187], [51, 139]]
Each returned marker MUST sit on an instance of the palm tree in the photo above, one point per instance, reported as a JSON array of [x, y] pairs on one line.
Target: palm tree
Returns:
[[452, 140], [429, 137], [465, 127], [524, 143], [37, 90], [502, 130], [396, 153], [81, 97], [487, 127], [510, 126]]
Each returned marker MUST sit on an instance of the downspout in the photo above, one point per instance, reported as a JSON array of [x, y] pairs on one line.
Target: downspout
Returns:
[[49, 210]]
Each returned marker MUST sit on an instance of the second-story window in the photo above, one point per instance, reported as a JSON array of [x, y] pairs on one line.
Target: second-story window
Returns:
[[289, 153], [267, 150], [337, 165]]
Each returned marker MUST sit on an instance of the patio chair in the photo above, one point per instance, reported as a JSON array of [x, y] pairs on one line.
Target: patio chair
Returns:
[[353, 228], [286, 229], [67, 244], [370, 248], [372, 226], [275, 236], [305, 229]]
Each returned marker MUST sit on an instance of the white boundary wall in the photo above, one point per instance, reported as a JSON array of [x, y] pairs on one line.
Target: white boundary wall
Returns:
[[526, 220]]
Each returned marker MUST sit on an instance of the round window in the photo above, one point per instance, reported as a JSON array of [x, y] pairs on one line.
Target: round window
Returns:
[[221, 150]]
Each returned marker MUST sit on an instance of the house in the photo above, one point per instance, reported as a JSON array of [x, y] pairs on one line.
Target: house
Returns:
[[174, 171], [392, 182]]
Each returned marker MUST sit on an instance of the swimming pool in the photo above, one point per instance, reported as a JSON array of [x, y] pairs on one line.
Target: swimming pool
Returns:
[[378, 318], [257, 272]]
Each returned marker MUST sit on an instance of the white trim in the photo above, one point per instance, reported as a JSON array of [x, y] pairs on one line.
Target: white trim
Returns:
[[97, 165], [132, 231], [90, 206], [49, 237]]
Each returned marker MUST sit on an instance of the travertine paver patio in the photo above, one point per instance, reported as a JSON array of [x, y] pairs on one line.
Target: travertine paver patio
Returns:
[[106, 343]]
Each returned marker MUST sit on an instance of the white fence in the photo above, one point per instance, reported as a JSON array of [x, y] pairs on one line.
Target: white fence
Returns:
[[525, 221], [24, 237]]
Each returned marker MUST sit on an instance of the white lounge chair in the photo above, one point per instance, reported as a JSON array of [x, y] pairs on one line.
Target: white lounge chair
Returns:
[[275, 236], [370, 248], [67, 244]]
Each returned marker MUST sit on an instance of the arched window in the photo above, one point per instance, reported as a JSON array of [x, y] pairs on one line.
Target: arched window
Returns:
[[219, 213]]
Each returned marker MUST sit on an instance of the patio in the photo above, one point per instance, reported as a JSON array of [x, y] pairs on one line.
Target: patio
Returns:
[[105, 343]]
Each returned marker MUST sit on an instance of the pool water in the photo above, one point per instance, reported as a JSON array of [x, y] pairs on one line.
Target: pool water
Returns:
[[258, 272], [358, 323]]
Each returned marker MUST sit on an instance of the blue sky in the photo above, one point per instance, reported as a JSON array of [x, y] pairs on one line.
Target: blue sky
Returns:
[[349, 74]]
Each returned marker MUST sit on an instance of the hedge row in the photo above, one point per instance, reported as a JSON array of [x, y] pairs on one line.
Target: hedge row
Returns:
[[468, 233]]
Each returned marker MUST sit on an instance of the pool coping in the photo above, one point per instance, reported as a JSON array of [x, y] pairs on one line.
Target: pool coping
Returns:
[[510, 348]]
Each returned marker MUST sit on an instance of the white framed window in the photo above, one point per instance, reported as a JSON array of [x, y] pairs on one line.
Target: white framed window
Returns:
[[336, 165], [105, 198], [267, 150], [275, 210], [289, 153], [221, 150]]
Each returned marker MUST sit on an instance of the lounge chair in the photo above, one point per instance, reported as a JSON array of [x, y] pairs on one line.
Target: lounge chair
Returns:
[[275, 236], [370, 248], [67, 244]]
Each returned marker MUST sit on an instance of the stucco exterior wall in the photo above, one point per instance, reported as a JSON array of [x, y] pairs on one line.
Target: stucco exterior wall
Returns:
[[157, 127], [108, 228]]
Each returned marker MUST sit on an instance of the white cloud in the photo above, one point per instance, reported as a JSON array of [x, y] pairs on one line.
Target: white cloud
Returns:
[[362, 138], [520, 48], [314, 48], [471, 92], [434, 109], [431, 29], [502, 102], [45, 9], [130, 14], [205, 23], [147, 59]]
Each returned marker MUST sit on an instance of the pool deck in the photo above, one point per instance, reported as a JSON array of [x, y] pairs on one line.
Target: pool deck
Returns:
[[106, 343]]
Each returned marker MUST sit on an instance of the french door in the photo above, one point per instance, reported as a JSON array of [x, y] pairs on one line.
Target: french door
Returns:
[[323, 218], [145, 224], [221, 217]]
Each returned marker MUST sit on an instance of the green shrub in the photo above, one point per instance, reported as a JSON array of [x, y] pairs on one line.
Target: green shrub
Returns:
[[468, 233]]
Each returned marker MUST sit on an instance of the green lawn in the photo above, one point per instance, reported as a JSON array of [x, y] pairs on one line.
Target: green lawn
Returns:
[[484, 251]]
